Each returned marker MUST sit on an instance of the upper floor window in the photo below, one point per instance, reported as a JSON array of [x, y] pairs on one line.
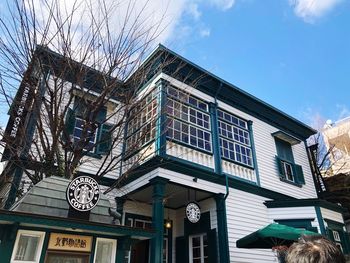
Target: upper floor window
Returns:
[[234, 136], [189, 120], [288, 170], [142, 122], [90, 133]]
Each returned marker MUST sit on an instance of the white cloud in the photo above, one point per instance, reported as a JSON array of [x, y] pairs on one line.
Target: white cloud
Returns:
[[205, 32], [193, 10], [309, 10], [223, 4]]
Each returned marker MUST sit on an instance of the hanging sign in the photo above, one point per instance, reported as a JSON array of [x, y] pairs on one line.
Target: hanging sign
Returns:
[[83, 193], [68, 242], [193, 212]]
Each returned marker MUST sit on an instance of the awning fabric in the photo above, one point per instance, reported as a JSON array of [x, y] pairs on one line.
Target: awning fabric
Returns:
[[272, 235]]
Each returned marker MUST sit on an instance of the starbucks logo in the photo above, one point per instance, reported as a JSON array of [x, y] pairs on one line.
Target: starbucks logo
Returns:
[[83, 193], [193, 212]]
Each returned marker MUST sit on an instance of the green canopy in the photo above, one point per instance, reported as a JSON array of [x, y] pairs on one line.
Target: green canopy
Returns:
[[272, 235]]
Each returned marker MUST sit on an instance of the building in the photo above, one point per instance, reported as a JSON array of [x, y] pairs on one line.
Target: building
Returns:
[[336, 137], [213, 165]]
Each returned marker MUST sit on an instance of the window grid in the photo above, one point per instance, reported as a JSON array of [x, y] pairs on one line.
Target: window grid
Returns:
[[187, 98], [77, 134], [233, 133], [288, 171], [234, 137], [183, 112], [232, 119], [188, 134], [142, 126]]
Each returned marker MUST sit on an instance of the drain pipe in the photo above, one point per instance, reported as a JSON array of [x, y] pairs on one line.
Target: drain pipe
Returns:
[[226, 176]]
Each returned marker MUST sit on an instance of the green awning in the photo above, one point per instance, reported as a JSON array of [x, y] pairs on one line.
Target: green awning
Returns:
[[272, 235]]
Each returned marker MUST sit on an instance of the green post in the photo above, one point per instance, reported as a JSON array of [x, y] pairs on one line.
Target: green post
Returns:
[[162, 117], [158, 218], [120, 207], [215, 137], [224, 254]]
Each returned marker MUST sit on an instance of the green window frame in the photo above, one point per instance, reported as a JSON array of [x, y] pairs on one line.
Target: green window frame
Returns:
[[288, 170], [100, 139]]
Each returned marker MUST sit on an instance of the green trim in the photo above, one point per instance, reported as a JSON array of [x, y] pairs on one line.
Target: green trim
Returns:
[[290, 182], [304, 202], [224, 253], [162, 117], [231, 94], [255, 160], [157, 218], [201, 172], [93, 248], [189, 146], [320, 220], [45, 245], [215, 137], [334, 224], [69, 223]]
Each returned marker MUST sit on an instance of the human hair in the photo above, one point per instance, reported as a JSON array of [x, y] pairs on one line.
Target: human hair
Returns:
[[314, 249]]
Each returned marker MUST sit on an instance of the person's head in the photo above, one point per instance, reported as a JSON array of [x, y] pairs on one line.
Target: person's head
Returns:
[[314, 249]]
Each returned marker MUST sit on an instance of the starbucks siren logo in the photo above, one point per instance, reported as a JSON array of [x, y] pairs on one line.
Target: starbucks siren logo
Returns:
[[83, 193], [193, 212]]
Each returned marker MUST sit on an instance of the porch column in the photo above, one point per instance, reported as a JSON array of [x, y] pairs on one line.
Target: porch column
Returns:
[[224, 254], [157, 218]]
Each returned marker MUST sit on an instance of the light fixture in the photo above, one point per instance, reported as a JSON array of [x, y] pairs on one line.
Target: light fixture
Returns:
[[168, 223]]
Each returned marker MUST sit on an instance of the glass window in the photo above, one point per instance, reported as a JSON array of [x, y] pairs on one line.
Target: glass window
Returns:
[[198, 248], [105, 250], [28, 246], [90, 134], [187, 122], [142, 122], [234, 135]]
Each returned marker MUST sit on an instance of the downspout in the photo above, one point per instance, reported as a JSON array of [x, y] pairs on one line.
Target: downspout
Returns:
[[226, 175]]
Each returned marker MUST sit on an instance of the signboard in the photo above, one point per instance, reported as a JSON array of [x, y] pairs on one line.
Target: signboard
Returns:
[[70, 242], [19, 113], [83, 193], [193, 212]]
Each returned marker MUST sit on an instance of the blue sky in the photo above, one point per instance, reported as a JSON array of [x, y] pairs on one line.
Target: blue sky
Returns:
[[293, 54]]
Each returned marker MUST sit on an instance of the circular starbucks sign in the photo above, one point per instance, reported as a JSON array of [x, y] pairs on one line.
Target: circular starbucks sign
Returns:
[[193, 212], [83, 193]]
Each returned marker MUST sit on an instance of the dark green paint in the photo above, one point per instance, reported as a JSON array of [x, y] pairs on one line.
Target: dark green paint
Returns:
[[224, 254], [320, 220], [157, 218], [215, 137]]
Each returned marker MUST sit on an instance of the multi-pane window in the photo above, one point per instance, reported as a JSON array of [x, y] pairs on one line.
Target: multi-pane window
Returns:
[[142, 123], [234, 135], [89, 135], [189, 120], [198, 248], [105, 250], [28, 246]]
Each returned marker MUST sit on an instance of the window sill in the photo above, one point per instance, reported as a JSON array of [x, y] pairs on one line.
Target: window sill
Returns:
[[237, 163], [290, 182]]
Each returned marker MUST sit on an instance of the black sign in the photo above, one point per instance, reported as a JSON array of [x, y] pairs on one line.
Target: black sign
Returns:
[[83, 193]]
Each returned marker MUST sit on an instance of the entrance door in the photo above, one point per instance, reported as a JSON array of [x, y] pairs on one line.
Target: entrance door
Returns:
[[198, 245], [59, 257], [140, 252]]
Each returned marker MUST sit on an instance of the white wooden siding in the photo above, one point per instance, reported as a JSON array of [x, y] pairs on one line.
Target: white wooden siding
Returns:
[[285, 213], [265, 153], [332, 215], [246, 213]]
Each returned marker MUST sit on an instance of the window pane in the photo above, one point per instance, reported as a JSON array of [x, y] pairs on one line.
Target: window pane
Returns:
[[104, 252], [27, 248]]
